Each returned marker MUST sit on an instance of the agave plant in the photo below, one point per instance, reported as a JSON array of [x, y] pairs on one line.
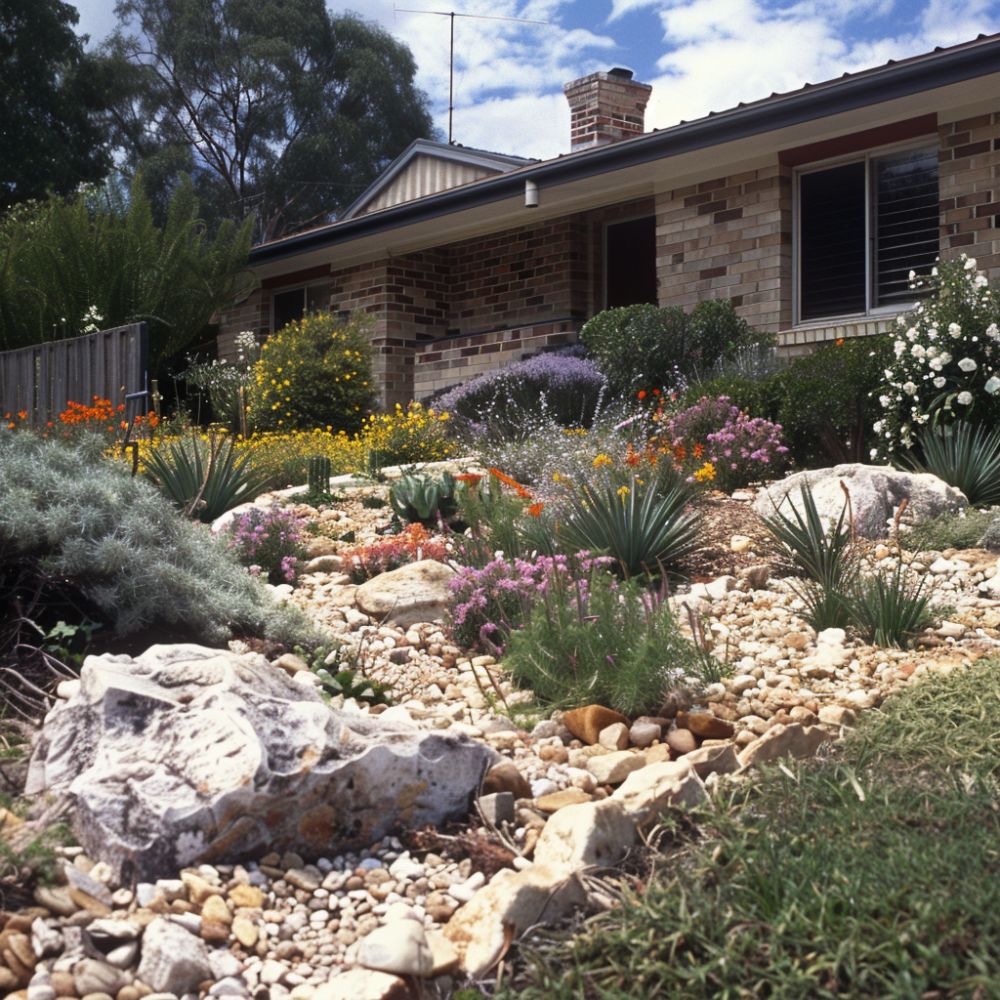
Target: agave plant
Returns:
[[204, 478], [964, 456], [825, 556], [640, 528], [424, 499]]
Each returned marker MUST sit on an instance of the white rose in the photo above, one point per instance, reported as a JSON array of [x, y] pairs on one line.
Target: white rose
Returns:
[[993, 332], [899, 347], [970, 264], [909, 388], [954, 329], [939, 382], [918, 351], [965, 398], [967, 365], [878, 425], [945, 358], [935, 364], [884, 401], [992, 385], [981, 281]]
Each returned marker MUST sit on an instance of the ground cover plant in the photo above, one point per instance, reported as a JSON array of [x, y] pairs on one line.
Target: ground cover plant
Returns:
[[269, 542], [871, 873], [962, 530]]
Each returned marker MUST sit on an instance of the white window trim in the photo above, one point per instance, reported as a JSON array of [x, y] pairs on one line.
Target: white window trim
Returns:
[[865, 156]]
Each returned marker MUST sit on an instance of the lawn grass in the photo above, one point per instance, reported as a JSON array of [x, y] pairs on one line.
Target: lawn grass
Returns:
[[872, 873]]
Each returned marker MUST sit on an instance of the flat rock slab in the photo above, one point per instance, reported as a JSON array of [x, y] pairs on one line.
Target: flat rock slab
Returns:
[[187, 754]]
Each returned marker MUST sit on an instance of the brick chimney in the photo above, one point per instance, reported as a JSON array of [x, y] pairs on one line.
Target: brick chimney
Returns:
[[605, 108]]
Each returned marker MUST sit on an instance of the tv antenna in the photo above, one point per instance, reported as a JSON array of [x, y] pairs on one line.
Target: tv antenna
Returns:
[[451, 15]]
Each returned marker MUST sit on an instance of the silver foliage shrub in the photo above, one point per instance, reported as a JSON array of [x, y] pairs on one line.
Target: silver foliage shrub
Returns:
[[70, 516]]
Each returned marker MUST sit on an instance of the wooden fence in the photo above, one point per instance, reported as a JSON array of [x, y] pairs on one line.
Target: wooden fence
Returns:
[[40, 380]]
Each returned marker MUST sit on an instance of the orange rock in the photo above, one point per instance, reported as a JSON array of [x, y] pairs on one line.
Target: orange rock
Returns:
[[586, 723], [705, 725], [505, 777], [559, 800]]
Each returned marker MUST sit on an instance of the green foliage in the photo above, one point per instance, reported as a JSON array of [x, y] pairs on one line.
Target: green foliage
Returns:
[[424, 498], [825, 556], [341, 677], [314, 373], [759, 397], [98, 260], [964, 530], [87, 538], [642, 530], [29, 858], [597, 639], [646, 347], [891, 609], [204, 479], [281, 108], [964, 455], [498, 521], [51, 103], [867, 874], [827, 400]]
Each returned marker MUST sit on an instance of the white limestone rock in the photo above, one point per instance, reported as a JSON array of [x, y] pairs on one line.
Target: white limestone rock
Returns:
[[189, 754], [417, 592]]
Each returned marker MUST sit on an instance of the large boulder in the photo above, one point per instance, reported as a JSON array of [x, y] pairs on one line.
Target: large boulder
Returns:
[[187, 754], [417, 592], [875, 492]]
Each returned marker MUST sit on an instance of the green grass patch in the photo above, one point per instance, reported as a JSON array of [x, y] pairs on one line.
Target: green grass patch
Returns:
[[872, 873]]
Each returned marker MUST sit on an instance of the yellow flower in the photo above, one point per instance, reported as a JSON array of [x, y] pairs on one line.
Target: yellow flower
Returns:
[[623, 491], [602, 460], [705, 474]]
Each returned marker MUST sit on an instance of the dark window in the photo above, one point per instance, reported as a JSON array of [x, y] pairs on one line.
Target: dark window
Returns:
[[630, 264], [288, 307], [862, 228]]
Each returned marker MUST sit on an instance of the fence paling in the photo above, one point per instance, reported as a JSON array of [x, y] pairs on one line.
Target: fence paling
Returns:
[[40, 380]]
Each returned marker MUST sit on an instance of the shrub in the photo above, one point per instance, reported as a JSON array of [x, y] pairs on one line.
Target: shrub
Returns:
[[203, 478], [226, 385], [641, 530], [595, 639], [967, 529], [316, 372], [268, 542], [644, 347], [692, 426], [827, 401], [964, 456], [406, 436], [85, 539], [756, 396], [560, 388], [946, 364], [745, 450]]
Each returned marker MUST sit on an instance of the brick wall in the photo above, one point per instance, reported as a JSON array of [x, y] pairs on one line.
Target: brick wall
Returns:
[[969, 184], [730, 237]]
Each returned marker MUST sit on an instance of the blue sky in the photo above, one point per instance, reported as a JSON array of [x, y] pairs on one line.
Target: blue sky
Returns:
[[699, 55]]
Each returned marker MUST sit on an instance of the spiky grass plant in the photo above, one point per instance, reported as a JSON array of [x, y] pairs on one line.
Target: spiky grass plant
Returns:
[[643, 530], [965, 456], [204, 478], [891, 609]]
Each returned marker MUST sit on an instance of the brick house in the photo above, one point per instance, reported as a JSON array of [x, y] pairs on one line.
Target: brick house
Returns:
[[806, 209]]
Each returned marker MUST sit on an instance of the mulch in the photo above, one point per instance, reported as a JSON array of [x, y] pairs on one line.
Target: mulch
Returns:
[[722, 517]]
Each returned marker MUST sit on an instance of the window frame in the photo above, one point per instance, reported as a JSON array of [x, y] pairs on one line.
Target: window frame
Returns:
[[927, 143], [303, 287]]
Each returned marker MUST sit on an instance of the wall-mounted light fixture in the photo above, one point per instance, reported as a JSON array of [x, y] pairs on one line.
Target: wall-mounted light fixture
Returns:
[[530, 194]]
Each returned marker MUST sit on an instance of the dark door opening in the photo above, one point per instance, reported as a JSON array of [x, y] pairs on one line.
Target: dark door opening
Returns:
[[630, 262]]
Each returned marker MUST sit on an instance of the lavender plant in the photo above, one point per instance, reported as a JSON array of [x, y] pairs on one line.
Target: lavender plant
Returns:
[[564, 389], [268, 541]]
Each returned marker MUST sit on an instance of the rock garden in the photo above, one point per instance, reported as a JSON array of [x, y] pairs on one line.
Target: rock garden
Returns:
[[502, 694]]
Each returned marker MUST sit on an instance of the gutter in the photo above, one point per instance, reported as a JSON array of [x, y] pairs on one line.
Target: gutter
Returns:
[[812, 102]]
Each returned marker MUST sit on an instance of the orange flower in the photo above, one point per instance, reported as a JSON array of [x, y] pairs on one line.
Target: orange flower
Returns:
[[839, 342], [512, 483], [656, 392], [471, 478], [23, 414], [642, 393], [535, 509], [632, 457], [698, 450], [680, 452]]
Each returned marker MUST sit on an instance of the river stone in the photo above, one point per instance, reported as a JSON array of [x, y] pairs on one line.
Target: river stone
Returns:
[[875, 490], [186, 755], [417, 592], [173, 959]]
